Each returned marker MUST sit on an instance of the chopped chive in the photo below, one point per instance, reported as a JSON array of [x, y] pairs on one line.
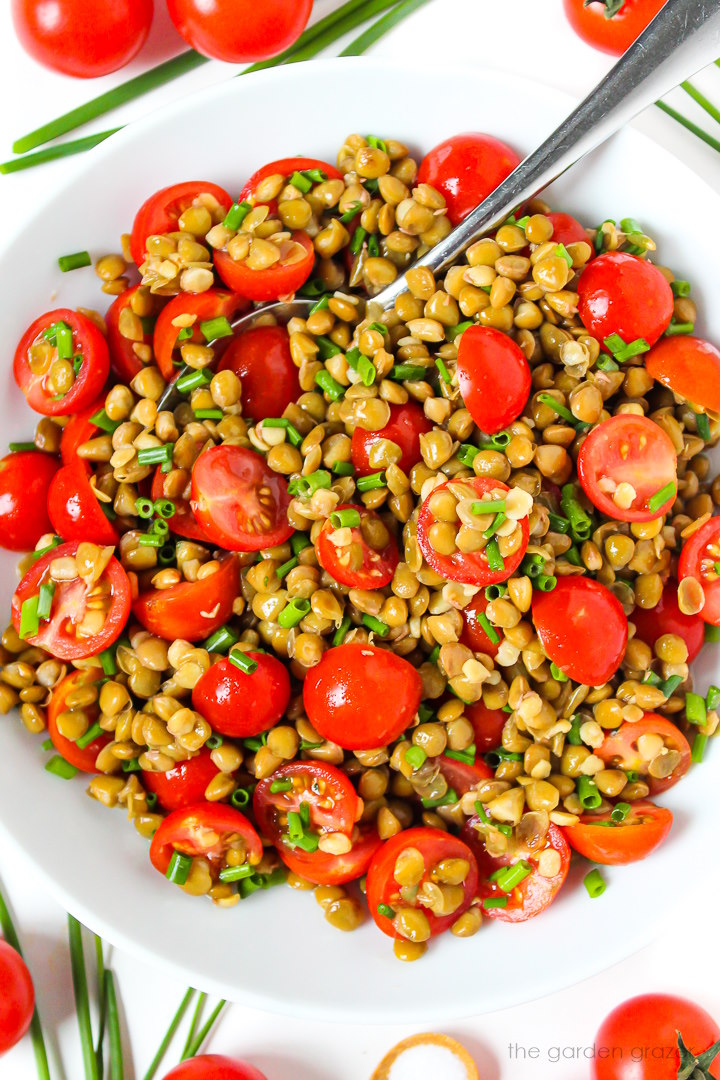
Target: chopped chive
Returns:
[[415, 756], [286, 567], [29, 618], [488, 506], [620, 811], [656, 501], [341, 519], [371, 482], [606, 364], [60, 767], [372, 185], [330, 386], [588, 793], [343, 468], [155, 455], [407, 372], [494, 592], [532, 565], [652, 679], [240, 798], [491, 902], [221, 641], [301, 182], [499, 441], [178, 868], [236, 215], [488, 628], [557, 523], [493, 556], [624, 351], [280, 785], [453, 332], [712, 699], [376, 625], [305, 486], [680, 288], [466, 756], [386, 911], [350, 213], [670, 685], [341, 632], [184, 333], [573, 556], [557, 674], [595, 884], [581, 524], [545, 582], [676, 328], [235, 873], [191, 380], [46, 745], [494, 525], [293, 613], [131, 765], [19, 447], [241, 660], [511, 876], [64, 341], [151, 540], [299, 541], [380, 327], [573, 735], [695, 709], [494, 757], [442, 368], [425, 713], [562, 253], [213, 329], [165, 508], [552, 403], [209, 414], [698, 748], [75, 261], [632, 776], [373, 246], [77, 363], [358, 239], [327, 348], [45, 598], [448, 799], [703, 426], [312, 288], [321, 304], [434, 655], [144, 508], [377, 143], [467, 453], [712, 633], [362, 365]]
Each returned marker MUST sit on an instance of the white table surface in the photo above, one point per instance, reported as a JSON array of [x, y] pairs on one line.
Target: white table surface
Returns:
[[538, 43]]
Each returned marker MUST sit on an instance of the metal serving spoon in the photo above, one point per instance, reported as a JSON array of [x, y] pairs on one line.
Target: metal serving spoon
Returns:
[[682, 38]]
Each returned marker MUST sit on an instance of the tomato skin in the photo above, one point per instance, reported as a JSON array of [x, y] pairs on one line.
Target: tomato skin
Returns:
[[25, 479], [207, 305], [466, 168], [74, 509], [184, 785], [692, 557], [377, 567], [567, 229], [339, 816], [621, 746], [613, 35], [285, 167], [200, 830], [622, 294], [269, 284], [214, 1067], [473, 634], [567, 621], [243, 705], [690, 367], [17, 999], [462, 777], [487, 724], [123, 360], [91, 377], [160, 212], [407, 423], [79, 430], [261, 359], [82, 758], [648, 827], [494, 377], [183, 521], [324, 869], [177, 612], [240, 31], [361, 697], [667, 618]]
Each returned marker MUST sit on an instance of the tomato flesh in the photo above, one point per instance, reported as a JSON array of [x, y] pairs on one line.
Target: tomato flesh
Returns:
[[332, 805], [191, 609], [87, 343], [282, 279], [74, 509], [261, 359], [159, 213], [373, 568], [185, 784], [204, 306], [82, 758], [203, 830], [667, 618], [466, 168], [25, 479], [622, 294], [183, 521], [17, 1001], [79, 430], [567, 621], [494, 377], [690, 367], [620, 749], [407, 423], [324, 869], [123, 359], [598, 837], [243, 705], [697, 560]]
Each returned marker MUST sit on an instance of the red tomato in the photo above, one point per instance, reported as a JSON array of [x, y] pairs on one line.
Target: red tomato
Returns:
[[87, 342], [377, 565], [204, 306], [640, 1036], [535, 893], [242, 705], [83, 758], [324, 869], [17, 997], [285, 167], [124, 362], [621, 748], [466, 168], [610, 33], [183, 521], [261, 359], [487, 724], [567, 229], [598, 837], [361, 697], [183, 785], [282, 279], [697, 560], [332, 803], [25, 479], [192, 609], [407, 423], [74, 509], [203, 830], [84, 38], [567, 621], [59, 635], [240, 502], [493, 376], [633, 450], [214, 1067], [159, 214], [473, 634], [470, 568], [79, 430], [435, 846], [690, 367], [667, 618], [622, 294], [239, 31], [462, 777]]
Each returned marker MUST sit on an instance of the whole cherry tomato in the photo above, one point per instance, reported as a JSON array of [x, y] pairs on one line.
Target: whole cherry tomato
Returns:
[[493, 376], [613, 843], [185, 784], [79, 341], [17, 997], [406, 424], [214, 1067], [75, 510], [368, 560], [688, 366], [159, 213], [240, 31], [191, 609], [239, 704], [667, 618], [567, 621], [261, 359], [25, 479], [624, 295], [610, 25], [697, 560], [466, 168]]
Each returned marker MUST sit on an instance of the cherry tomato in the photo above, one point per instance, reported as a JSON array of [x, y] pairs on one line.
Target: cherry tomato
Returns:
[[240, 502], [183, 521], [214, 1067], [160, 213], [368, 561], [204, 306], [611, 33], [191, 609], [243, 705], [203, 830], [598, 837], [641, 1034], [622, 294], [17, 997], [331, 804], [462, 777], [87, 343], [471, 568], [667, 618], [697, 560], [183, 785], [323, 869], [238, 31], [473, 635], [493, 376], [84, 38], [535, 892], [82, 757], [63, 634], [25, 479], [361, 697], [435, 846], [407, 423], [628, 449], [466, 168], [74, 508], [567, 229], [621, 748], [261, 359], [567, 621], [79, 429], [690, 367], [487, 724], [284, 167], [281, 279], [123, 359]]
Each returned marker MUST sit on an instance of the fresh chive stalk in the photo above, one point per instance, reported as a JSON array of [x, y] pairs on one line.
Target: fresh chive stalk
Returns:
[[36, 1033], [82, 999], [168, 1036]]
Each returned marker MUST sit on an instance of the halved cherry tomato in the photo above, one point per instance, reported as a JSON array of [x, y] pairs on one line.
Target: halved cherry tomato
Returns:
[[567, 621], [74, 509], [361, 697], [25, 479], [462, 777], [466, 168], [567, 229], [407, 423], [123, 360], [83, 758], [667, 618], [690, 367], [191, 609], [487, 724], [598, 837], [697, 560], [243, 705], [622, 294], [160, 213], [183, 521], [284, 167], [261, 359], [536, 892], [331, 801], [214, 1067], [471, 568], [324, 869], [628, 449], [79, 429], [473, 635], [183, 785], [59, 634], [493, 376], [435, 846], [620, 749], [17, 1001], [203, 830], [281, 279], [87, 343], [609, 27], [204, 306], [360, 564], [240, 502]]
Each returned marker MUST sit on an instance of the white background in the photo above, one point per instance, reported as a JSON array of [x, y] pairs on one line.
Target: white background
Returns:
[[527, 36]]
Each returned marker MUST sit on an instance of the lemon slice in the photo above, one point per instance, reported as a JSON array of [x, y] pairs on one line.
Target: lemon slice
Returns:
[[427, 1057]]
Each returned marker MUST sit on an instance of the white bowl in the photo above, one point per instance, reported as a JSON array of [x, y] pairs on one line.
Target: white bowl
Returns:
[[275, 951]]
